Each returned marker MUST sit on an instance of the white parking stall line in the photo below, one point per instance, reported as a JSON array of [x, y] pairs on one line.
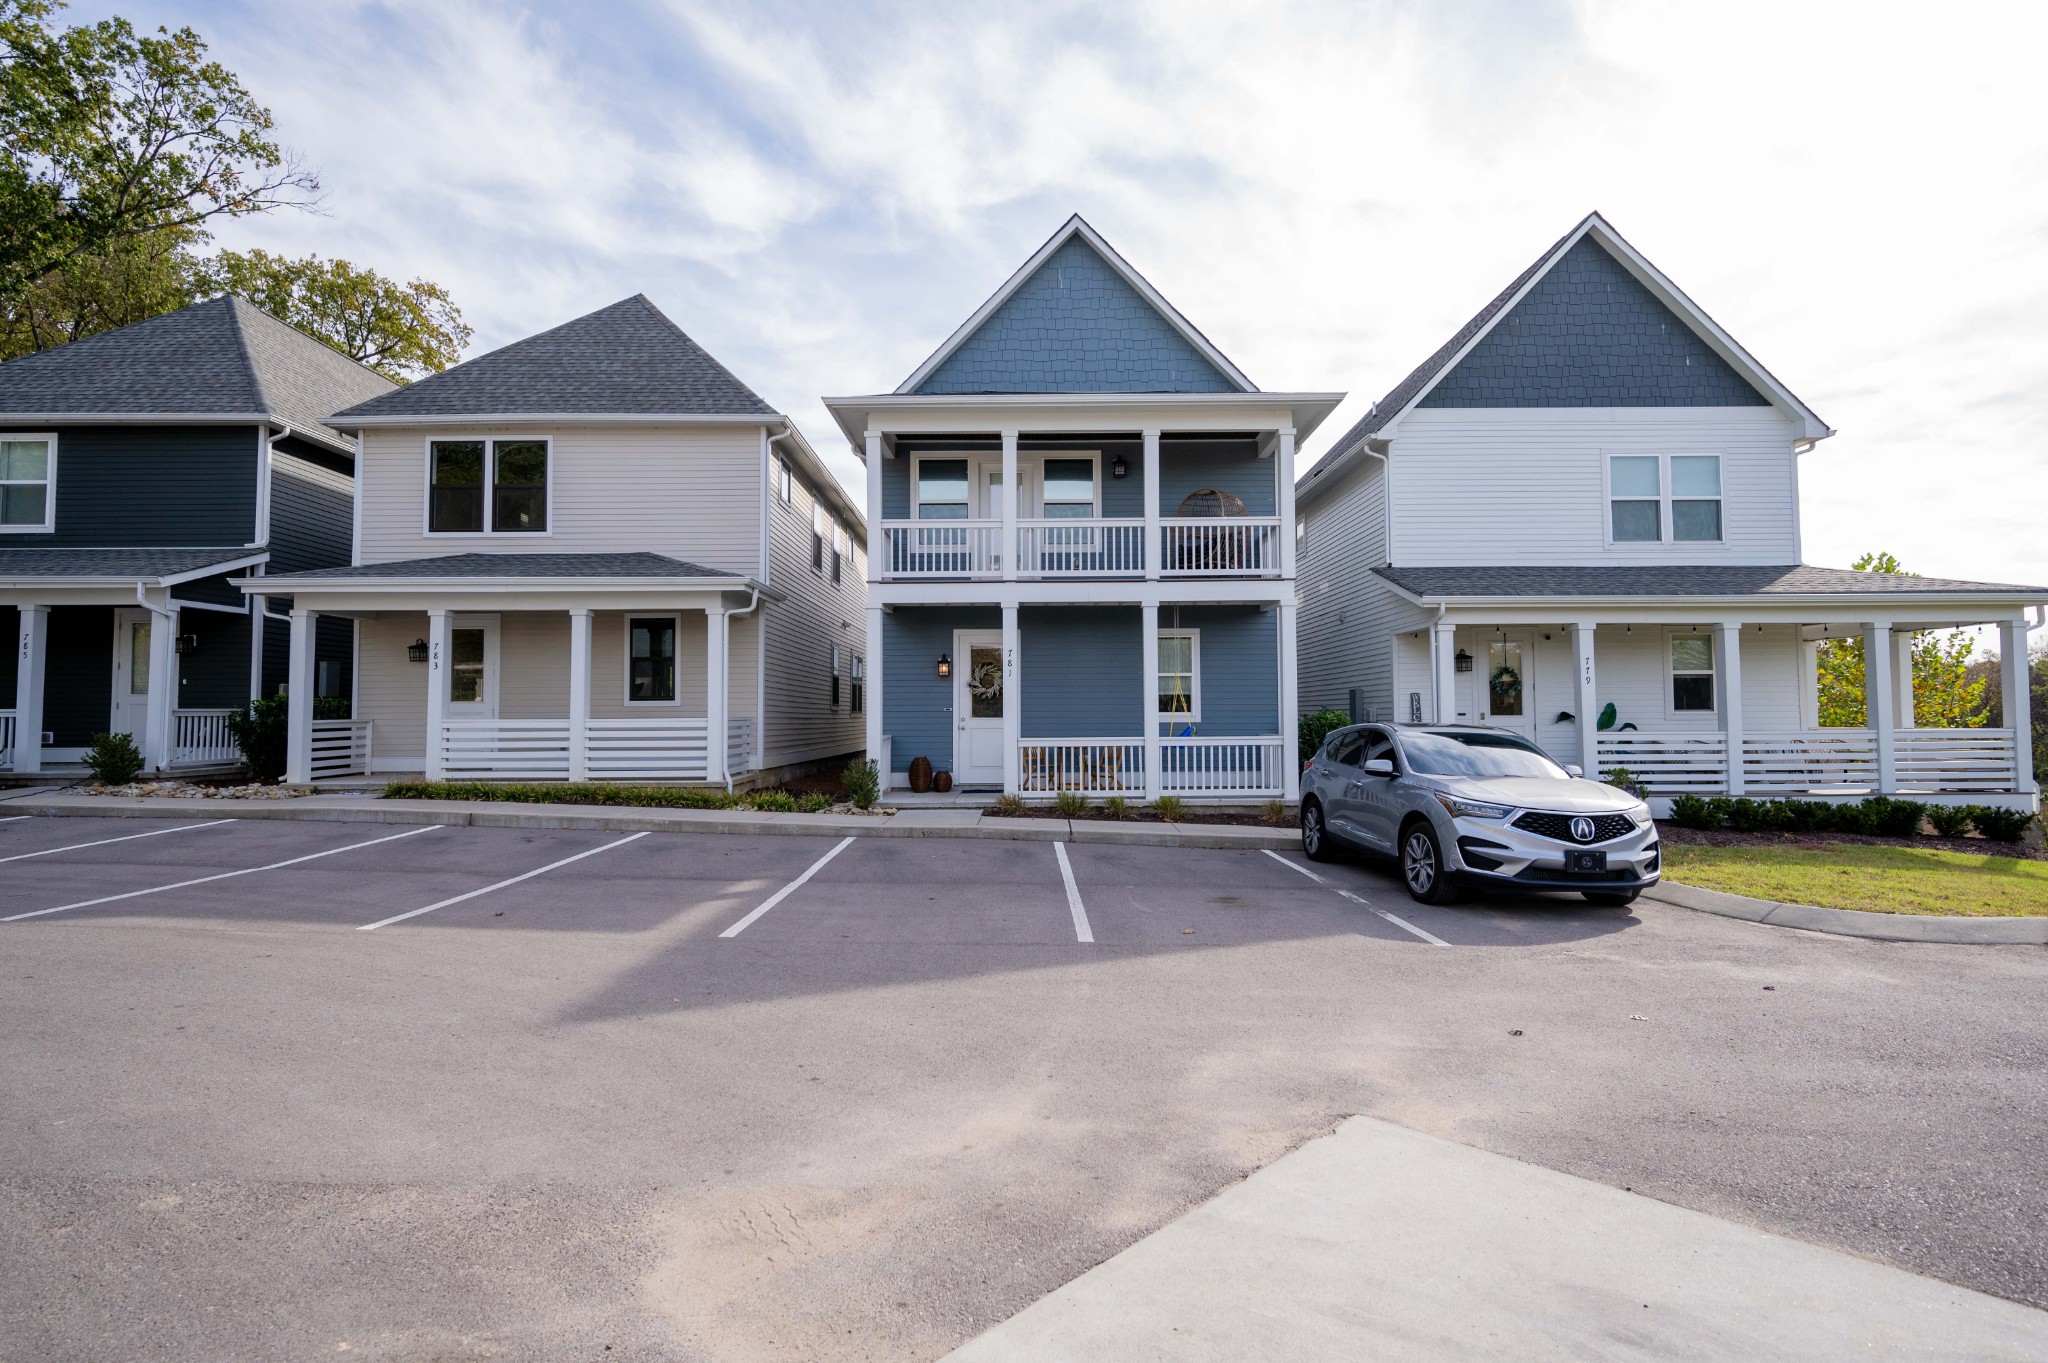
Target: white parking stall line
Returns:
[[1395, 919], [737, 928], [1082, 932], [514, 880], [16, 818], [125, 837], [223, 875]]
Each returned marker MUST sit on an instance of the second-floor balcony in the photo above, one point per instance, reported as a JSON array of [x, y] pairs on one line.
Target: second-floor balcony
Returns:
[[1077, 547]]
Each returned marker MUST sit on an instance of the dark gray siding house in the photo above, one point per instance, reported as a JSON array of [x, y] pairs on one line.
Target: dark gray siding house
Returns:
[[139, 470]]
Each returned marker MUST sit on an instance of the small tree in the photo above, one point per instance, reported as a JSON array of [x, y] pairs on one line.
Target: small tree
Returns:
[[1317, 726], [1947, 691], [262, 732], [113, 759]]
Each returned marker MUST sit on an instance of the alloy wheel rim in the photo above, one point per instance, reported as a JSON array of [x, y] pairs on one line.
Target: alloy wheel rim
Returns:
[[1421, 870], [1312, 829]]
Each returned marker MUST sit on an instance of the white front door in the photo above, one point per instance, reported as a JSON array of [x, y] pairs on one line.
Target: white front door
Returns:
[[472, 667], [130, 712], [978, 707], [1504, 681]]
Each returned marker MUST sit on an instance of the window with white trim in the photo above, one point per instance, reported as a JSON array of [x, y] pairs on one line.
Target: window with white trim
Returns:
[[785, 482], [1067, 488], [817, 538], [857, 691], [1692, 673], [939, 489], [1696, 498], [835, 676], [651, 659], [28, 476], [1652, 498], [494, 487], [841, 546], [1180, 675]]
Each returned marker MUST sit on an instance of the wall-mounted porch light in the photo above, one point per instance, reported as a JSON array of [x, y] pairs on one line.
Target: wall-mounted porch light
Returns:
[[1118, 468], [945, 665], [416, 651], [1463, 661], [186, 643]]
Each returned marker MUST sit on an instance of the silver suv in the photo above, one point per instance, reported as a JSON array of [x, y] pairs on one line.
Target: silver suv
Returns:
[[1474, 807]]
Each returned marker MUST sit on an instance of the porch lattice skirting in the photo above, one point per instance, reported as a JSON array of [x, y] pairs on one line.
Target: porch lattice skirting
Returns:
[[1187, 766], [1821, 761]]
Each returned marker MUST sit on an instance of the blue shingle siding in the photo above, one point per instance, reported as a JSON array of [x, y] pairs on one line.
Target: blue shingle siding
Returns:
[[1590, 335], [1075, 326], [917, 704], [1240, 667], [1082, 672], [120, 486]]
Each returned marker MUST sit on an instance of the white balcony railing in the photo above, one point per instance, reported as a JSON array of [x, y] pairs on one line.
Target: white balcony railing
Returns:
[[341, 747], [1223, 766], [1955, 759], [1669, 764], [1080, 548], [913, 549], [199, 738], [1810, 761], [1213, 547]]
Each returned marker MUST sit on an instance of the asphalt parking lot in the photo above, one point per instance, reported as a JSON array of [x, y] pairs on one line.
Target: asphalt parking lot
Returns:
[[280, 1088]]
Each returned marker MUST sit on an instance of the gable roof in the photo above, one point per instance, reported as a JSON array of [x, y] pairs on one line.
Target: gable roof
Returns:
[[1112, 332], [628, 359], [224, 358], [1412, 390]]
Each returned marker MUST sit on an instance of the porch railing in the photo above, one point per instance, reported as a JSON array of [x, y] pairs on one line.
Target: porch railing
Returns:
[[1199, 766], [1222, 766], [1955, 759], [942, 549], [649, 749], [506, 749], [642, 749], [200, 738], [1207, 546], [1814, 760], [1106, 766], [1198, 546], [6, 740], [739, 745], [1080, 548], [341, 747], [1669, 764]]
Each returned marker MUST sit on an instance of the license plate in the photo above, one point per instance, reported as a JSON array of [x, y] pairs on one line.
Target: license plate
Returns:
[[1585, 861]]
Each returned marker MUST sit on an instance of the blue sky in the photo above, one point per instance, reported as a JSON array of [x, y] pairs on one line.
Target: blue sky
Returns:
[[820, 193]]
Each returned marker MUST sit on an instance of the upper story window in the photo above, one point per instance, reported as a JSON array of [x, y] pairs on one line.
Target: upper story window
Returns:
[[1656, 497], [941, 489], [785, 481], [28, 474], [842, 545], [495, 487], [818, 522], [1069, 489]]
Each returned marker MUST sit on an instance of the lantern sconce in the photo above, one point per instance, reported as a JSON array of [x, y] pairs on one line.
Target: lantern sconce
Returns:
[[186, 643], [1463, 661], [416, 651], [1118, 468], [945, 665]]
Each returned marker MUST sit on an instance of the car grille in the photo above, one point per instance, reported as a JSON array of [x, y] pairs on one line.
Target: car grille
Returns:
[[1606, 827]]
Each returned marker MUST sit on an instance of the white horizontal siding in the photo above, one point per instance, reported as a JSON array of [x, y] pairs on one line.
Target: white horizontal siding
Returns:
[[1526, 485], [391, 690], [802, 723], [1348, 615]]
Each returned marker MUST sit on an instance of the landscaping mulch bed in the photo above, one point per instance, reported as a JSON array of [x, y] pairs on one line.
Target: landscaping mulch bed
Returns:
[[1820, 842], [1230, 817]]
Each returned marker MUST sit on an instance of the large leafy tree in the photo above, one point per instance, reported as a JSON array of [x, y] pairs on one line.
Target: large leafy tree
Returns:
[[1947, 693], [401, 330]]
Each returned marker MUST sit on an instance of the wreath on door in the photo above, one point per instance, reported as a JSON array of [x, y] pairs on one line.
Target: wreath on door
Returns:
[[985, 682], [1506, 683]]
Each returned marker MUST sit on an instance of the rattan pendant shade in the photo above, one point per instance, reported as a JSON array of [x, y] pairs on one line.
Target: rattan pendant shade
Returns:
[[1211, 501]]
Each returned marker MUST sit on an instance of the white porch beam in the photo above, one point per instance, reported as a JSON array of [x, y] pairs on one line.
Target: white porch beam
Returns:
[[873, 717], [162, 700], [1013, 706], [1586, 697], [715, 674], [1290, 703], [1442, 666], [31, 659], [437, 694], [579, 694], [299, 684], [878, 541], [1011, 499], [1878, 710], [1153, 551], [1728, 662], [2014, 696], [1148, 708], [1902, 678], [1283, 503]]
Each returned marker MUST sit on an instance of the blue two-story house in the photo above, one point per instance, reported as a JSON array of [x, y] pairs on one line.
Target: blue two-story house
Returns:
[[139, 470], [1080, 547]]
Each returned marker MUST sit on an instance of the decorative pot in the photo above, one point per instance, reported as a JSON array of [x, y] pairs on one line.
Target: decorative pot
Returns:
[[942, 781], [920, 775]]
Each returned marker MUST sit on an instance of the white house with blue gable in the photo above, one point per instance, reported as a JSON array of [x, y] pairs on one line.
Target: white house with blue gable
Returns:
[[1080, 552], [1583, 510]]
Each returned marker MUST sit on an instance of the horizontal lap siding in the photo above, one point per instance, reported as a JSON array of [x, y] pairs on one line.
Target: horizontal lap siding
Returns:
[[694, 494], [140, 485], [1349, 615], [1239, 667], [391, 690], [312, 510], [533, 665], [816, 613], [1233, 466], [1526, 485], [917, 703], [1081, 672]]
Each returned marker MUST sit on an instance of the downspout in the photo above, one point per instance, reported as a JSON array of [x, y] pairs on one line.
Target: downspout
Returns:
[[753, 604]]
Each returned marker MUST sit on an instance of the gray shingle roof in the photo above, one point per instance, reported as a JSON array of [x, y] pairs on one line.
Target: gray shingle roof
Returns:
[[119, 564], [627, 358], [516, 565], [1799, 579], [224, 356]]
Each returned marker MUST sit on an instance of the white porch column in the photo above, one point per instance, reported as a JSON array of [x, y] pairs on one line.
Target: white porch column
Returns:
[[1443, 665], [163, 686], [1011, 498], [1878, 710], [1586, 697], [1013, 704], [1728, 657], [1902, 679], [1290, 702], [579, 693], [873, 717], [1155, 552], [2014, 695], [1148, 707], [437, 694], [715, 672], [30, 658], [1283, 501], [878, 539], [298, 743]]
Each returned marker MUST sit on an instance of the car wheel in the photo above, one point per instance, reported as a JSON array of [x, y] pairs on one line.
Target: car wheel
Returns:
[[1422, 866], [1315, 836], [1611, 899]]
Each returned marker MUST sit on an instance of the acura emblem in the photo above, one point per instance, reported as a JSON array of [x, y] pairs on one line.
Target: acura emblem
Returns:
[[1582, 829]]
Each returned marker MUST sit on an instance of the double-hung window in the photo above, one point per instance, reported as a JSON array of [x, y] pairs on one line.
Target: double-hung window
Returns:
[[1692, 673], [1652, 498], [836, 661], [651, 660], [28, 474], [1180, 676], [817, 537], [857, 689], [941, 489], [840, 545], [497, 487], [785, 482], [1069, 488]]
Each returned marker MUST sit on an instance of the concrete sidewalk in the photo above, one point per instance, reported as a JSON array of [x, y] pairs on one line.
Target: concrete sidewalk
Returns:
[[1380, 1242], [909, 823]]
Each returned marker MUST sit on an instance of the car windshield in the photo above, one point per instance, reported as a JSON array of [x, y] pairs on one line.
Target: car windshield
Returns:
[[1476, 754]]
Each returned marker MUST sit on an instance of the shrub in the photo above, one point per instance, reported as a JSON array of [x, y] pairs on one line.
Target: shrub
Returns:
[[1008, 806], [1690, 811], [1621, 778], [1949, 821], [813, 804], [1895, 818], [1116, 807], [1276, 812], [863, 782], [1071, 804], [1318, 725], [2000, 825], [262, 730], [1806, 816], [1750, 816], [113, 759], [1167, 807], [772, 802], [1853, 818]]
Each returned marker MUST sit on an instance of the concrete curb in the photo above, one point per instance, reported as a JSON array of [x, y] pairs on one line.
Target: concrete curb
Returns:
[[1887, 927], [488, 814]]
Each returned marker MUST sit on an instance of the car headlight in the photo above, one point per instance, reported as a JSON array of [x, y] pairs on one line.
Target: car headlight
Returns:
[[1641, 814], [1471, 809]]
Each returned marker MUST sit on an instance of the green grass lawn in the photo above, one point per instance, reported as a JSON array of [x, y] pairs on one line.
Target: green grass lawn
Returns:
[[1879, 879]]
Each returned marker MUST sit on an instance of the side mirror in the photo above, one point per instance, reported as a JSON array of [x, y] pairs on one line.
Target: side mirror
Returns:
[[1574, 771], [1378, 766]]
